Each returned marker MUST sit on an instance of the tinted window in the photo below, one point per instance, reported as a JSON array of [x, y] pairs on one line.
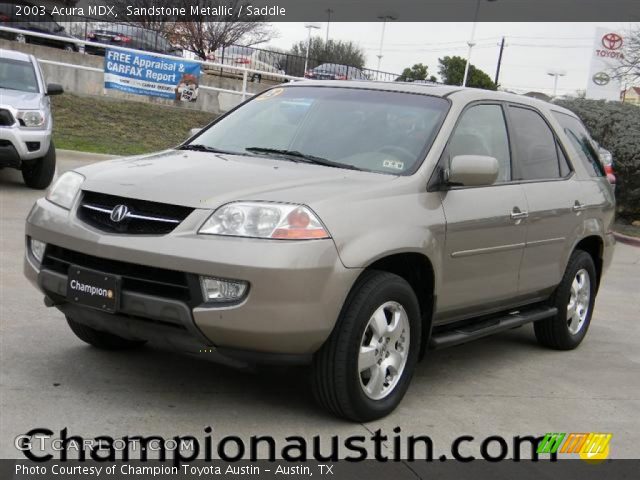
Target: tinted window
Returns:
[[17, 75], [582, 142], [565, 168], [373, 130], [535, 145], [482, 131]]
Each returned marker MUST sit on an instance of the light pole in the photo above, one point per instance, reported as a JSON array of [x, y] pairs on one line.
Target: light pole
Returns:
[[556, 74], [329, 12], [385, 19], [309, 27], [472, 42]]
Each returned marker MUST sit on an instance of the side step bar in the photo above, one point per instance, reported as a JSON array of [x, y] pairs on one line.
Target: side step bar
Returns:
[[473, 331]]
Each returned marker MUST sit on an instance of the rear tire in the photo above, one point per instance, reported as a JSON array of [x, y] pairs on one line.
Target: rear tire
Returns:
[[102, 340], [363, 370], [574, 298], [39, 173]]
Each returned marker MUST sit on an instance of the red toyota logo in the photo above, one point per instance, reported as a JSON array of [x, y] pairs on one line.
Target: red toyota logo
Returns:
[[612, 41]]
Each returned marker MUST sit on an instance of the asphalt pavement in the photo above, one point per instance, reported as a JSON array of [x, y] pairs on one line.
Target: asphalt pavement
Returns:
[[505, 385]]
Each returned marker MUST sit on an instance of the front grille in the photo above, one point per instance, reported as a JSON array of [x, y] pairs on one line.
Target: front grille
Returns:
[[135, 278], [142, 217], [6, 119]]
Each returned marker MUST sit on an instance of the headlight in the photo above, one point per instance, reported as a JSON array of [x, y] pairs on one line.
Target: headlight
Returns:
[[31, 118], [265, 220], [65, 189]]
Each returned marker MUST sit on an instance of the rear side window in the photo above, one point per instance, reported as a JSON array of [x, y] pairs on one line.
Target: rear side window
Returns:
[[536, 147], [582, 142], [482, 131]]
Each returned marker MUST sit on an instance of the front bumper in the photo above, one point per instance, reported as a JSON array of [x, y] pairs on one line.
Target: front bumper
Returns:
[[18, 144], [296, 291]]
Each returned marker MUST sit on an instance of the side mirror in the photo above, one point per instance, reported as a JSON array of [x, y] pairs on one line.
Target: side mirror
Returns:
[[194, 131], [473, 170], [54, 89]]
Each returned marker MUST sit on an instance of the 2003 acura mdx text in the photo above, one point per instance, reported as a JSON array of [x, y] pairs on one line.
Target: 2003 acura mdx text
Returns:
[[350, 227]]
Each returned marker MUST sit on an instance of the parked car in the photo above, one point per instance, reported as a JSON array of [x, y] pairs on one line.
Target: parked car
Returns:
[[607, 162], [25, 119], [249, 58], [130, 36], [333, 71], [34, 23], [342, 225]]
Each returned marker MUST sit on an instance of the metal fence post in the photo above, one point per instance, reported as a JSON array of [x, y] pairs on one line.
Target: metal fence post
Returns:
[[244, 84], [221, 61]]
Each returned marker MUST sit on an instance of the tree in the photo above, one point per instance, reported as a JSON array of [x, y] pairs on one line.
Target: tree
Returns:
[[202, 37], [451, 71], [629, 66], [417, 72], [201, 34], [343, 53]]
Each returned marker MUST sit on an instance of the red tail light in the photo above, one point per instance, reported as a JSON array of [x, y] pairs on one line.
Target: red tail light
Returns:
[[608, 169], [243, 60], [121, 38], [3, 18], [341, 77]]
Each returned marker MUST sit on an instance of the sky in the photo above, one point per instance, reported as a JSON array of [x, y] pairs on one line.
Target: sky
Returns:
[[532, 49]]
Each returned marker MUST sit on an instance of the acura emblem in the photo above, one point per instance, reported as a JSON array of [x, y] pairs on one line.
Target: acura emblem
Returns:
[[119, 213]]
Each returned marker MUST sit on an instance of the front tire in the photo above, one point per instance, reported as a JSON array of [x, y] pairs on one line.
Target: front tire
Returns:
[[574, 298], [101, 340], [364, 369], [39, 173]]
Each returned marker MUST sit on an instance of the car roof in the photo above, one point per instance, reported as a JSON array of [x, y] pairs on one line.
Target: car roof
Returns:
[[456, 93], [13, 55]]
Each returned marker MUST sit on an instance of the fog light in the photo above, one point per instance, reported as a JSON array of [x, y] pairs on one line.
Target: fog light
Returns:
[[37, 249], [219, 290]]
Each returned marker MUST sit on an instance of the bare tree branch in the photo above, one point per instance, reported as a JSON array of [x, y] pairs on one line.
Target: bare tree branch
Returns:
[[629, 67], [201, 33]]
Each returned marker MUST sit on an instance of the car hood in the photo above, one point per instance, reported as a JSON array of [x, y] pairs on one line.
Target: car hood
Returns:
[[19, 99], [207, 180]]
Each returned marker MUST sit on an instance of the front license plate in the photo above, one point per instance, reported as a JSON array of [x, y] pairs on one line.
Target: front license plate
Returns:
[[93, 289]]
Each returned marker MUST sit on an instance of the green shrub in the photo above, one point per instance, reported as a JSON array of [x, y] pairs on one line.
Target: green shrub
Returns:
[[616, 126]]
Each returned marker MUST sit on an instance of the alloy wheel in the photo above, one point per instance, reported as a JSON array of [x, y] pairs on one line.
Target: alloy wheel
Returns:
[[579, 301], [384, 350]]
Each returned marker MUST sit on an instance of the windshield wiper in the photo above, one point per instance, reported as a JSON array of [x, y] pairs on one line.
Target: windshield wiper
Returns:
[[198, 147], [297, 156]]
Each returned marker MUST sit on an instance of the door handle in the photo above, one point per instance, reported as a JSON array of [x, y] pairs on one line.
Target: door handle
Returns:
[[578, 207], [517, 214]]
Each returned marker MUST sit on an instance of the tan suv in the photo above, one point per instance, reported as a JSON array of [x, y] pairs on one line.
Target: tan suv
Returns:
[[348, 226]]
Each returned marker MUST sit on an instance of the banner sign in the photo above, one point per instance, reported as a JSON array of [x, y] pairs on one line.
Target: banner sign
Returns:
[[143, 74], [605, 57]]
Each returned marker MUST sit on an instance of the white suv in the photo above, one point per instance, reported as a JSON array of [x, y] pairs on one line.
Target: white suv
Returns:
[[25, 119]]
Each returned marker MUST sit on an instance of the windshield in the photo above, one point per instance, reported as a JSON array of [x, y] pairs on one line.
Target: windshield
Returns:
[[378, 131], [17, 75]]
